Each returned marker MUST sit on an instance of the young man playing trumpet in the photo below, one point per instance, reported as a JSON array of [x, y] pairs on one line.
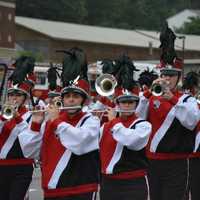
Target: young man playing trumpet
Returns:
[[122, 155], [69, 140], [15, 170], [173, 116]]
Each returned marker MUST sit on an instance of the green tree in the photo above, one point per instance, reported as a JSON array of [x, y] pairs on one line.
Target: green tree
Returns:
[[192, 27], [126, 14]]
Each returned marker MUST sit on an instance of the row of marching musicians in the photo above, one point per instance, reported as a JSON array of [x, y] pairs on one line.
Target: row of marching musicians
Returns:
[[78, 154]]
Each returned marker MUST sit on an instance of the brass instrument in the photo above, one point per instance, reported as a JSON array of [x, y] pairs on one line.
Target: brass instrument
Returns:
[[8, 111], [158, 89], [58, 103], [105, 84]]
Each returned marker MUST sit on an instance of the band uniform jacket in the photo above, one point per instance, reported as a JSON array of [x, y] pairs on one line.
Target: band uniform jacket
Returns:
[[122, 146], [196, 152], [10, 149], [173, 123], [69, 153]]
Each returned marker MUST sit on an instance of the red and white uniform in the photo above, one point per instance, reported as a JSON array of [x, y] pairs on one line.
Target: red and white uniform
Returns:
[[10, 149], [173, 123], [171, 142], [195, 165], [122, 147], [69, 153], [123, 160]]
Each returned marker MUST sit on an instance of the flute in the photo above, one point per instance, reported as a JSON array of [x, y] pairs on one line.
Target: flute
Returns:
[[60, 108]]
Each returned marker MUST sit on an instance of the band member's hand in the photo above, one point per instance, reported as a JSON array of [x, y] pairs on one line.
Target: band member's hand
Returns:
[[167, 94], [98, 113], [111, 114], [53, 112]]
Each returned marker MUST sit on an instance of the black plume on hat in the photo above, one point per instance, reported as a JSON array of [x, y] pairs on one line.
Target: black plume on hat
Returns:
[[125, 72], [167, 39], [74, 64], [109, 66], [52, 75], [147, 77], [24, 66]]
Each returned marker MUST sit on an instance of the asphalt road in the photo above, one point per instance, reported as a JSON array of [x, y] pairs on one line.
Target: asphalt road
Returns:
[[35, 191]]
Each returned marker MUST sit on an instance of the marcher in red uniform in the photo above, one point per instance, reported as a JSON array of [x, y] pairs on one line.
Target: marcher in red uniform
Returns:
[[68, 145], [173, 116], [15, 170], [122, 154], [191, 86], [195, 166]]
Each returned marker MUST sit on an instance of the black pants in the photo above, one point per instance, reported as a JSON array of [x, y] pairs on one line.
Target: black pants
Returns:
[[87, 196], [194, 178], [15, 181], [168, 179], [131, 189]]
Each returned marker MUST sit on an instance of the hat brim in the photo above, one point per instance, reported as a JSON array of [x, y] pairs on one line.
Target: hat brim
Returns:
[[124, 98], [53, 94], [17, 91], [170, 72], [74, 90]]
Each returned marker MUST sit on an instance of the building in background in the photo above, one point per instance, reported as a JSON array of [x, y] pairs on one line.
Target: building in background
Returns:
[[7, 30], [46, 37], [177, 21]]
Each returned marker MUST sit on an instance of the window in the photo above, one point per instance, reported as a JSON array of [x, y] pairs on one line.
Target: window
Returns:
[[41, 78], [9, 17], [9, 38]]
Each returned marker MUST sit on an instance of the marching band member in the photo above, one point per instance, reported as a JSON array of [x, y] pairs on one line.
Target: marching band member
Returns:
[[173, 116], [68, 145], [15, 170], [194, 165], [122, 154], [191, 86]]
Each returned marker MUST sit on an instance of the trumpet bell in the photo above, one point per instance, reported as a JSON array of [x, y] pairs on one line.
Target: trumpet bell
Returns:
[[157, 89], [105, 84], [8, 112], [58, 103]]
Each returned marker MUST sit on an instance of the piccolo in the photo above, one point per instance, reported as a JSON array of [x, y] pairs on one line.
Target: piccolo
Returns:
[[59, 108]]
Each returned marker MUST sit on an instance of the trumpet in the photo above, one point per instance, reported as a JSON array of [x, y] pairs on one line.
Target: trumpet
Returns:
[[105, 84], [58, 103], [8, 111], [60, 108], [158, 89]]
